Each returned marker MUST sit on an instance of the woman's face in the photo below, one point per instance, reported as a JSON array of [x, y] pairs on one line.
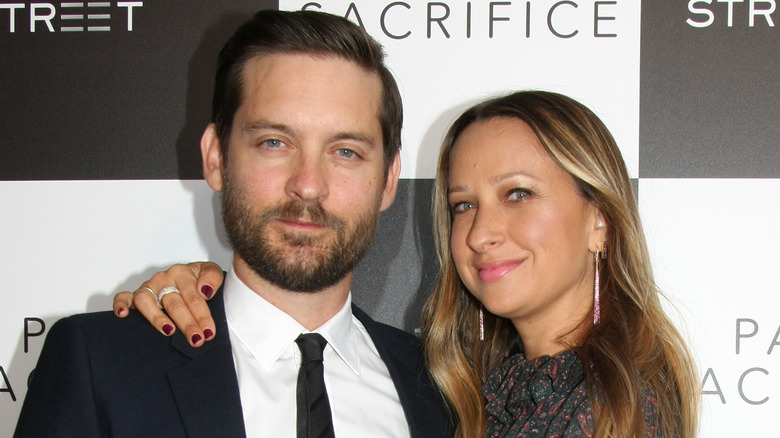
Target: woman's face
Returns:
[[523, 237]]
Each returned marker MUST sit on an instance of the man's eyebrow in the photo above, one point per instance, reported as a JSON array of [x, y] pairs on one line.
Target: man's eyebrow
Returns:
[[355, 136], [262, 124]]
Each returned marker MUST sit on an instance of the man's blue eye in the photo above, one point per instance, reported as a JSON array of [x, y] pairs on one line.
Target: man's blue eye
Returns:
[[346, 153], [273, 143]]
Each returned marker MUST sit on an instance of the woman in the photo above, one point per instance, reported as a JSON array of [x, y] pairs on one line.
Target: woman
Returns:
[[536, 220], [545, 319]]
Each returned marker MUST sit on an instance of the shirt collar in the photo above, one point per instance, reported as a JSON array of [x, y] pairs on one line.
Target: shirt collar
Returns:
[[266, 331]]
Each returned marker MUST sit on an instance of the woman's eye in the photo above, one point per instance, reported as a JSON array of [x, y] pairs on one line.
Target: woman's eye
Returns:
[[461, 207], [518, 194]]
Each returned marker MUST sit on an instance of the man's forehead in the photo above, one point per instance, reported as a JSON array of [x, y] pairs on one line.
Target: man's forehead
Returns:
[[300, 92], [261, 59], [299, 77]]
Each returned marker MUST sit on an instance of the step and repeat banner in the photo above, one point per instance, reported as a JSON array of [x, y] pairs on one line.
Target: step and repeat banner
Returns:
[[103, 104]]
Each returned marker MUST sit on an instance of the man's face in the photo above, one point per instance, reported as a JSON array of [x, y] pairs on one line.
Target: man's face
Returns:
[[304, 181]]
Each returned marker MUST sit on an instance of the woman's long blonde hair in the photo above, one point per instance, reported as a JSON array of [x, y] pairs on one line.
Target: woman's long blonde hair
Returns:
[[634, 347]]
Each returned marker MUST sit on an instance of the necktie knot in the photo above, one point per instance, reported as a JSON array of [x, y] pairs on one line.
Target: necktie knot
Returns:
[[311, 346]]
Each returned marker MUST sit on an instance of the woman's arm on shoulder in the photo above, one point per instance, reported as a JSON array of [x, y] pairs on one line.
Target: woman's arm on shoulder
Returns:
[[194, 283]]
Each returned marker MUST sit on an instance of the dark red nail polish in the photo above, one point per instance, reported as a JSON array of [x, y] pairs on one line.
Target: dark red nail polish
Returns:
[[195, 338], [207, 291], [208, 334], [167, 329], [121, 311]]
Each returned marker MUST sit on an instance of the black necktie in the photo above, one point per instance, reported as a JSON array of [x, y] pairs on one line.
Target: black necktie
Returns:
[[314, 418]]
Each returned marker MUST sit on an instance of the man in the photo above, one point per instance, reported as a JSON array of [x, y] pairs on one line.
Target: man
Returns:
[[304, 147]]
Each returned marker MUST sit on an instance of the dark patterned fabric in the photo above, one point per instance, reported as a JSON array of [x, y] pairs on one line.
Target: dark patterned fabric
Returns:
[[545, 397]]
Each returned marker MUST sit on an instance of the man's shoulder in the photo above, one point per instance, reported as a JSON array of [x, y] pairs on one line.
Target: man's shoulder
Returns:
[[103, 321], [94, 368], [109, 346], [103, 330], [104, 325], [95, 322]]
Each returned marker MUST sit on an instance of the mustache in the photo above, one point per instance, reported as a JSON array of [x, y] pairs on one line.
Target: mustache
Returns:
[[314, 213]]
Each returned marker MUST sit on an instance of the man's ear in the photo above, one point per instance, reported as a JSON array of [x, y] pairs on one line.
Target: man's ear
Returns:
[[211, 151], [393, 173]]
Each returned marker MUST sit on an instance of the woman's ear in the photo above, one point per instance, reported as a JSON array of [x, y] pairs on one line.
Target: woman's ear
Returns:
[[211, 151], [599, 230]]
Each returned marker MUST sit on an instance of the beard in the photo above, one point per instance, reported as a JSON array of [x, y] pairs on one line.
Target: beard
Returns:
[[296, 261]]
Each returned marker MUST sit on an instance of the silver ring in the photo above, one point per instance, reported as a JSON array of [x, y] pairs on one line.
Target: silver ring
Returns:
[[165, 291], [148, 289]]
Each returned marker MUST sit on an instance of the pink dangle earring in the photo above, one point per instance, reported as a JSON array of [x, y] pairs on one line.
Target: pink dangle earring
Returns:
[[600, 255], [481, 324]]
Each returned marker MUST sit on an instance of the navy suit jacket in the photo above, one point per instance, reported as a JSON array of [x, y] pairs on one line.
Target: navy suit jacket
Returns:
[[101, 376]]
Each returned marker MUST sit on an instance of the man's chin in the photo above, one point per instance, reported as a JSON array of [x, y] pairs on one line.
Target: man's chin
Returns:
[[304, 282], [305, 256]]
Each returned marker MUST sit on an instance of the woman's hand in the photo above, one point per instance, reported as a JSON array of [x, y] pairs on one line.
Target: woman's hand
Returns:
[[196, 283]]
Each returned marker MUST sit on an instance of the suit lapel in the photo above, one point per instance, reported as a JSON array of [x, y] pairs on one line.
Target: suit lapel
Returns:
[[206, 387]]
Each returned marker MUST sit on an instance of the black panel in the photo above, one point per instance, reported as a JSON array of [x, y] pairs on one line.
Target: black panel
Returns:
[[710, 95], [111, 104]]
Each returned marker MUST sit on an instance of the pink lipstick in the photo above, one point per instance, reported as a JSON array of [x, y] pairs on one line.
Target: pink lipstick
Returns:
[[495, 271]]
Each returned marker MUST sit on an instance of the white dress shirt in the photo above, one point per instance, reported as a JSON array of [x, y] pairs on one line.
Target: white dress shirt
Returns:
[[362, 396]]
